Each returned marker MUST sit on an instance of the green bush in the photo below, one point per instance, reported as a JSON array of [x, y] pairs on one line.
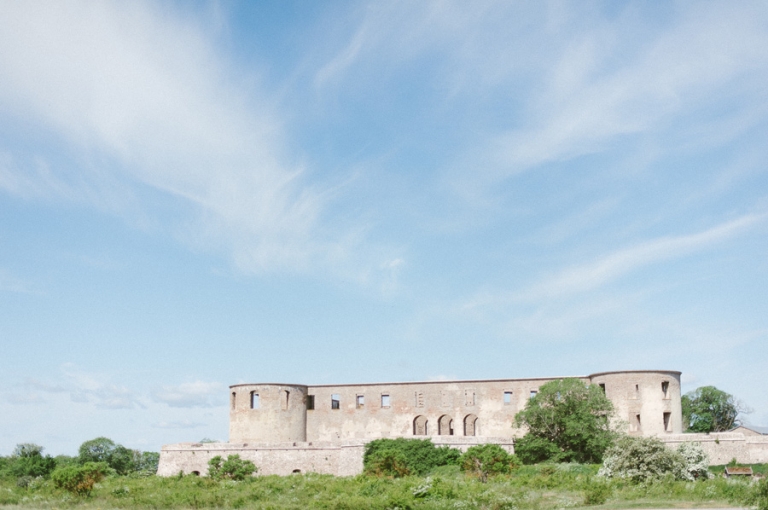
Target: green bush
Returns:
[[407, 456], [762, 494], [80, 479], [27, 460], [596, 492], [234, 468], [534, 449], [488, 459]]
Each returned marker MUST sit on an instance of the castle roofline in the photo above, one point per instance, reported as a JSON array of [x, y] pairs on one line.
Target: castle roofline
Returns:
[[461, 381]]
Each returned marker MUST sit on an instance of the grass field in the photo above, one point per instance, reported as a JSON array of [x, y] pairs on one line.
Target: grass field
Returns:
[[535, 487]]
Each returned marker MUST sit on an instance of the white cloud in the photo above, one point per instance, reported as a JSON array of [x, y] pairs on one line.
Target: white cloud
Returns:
[[82, 388], [614, 265], [180, 424], [146, 95], [193, 394]]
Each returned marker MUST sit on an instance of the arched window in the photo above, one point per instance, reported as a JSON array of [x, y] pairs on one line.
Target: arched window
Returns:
[[470, 425], [445, 426], [420, 426]]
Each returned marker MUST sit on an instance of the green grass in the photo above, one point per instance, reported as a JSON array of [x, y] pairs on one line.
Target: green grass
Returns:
[[530, 487]]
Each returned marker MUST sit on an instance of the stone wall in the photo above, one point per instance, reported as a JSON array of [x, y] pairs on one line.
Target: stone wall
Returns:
[[337, 458], [724, 446]]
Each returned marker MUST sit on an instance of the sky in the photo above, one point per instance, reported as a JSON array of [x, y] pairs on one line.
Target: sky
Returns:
[[195, 194]]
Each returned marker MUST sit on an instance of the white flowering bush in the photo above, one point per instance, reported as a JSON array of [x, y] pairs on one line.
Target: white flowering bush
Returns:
[[696, 460], [643, 459]]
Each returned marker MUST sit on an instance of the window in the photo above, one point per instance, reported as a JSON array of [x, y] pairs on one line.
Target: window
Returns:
[[384, 400], [254, 400], [360, 401], [667, 422], [418, 398], [420, 426], [284, 395], [533, 393], [469, 398], [470, 425], [445, 426], [233, 400], [310, 402], [602, 387], [665, 389], [507, 398], [335, 401], [636, 394], [634, 423]]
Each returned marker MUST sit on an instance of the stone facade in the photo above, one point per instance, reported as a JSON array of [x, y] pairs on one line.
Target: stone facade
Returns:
[[286, 428]]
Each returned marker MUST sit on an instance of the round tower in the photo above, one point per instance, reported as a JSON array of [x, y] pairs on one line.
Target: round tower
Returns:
[[647, 401], [260, 413]]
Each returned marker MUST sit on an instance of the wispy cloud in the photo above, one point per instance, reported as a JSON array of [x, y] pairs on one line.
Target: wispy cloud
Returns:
[[147, 93], [608, 268], [193, 394], [82, 387], [180, 424]]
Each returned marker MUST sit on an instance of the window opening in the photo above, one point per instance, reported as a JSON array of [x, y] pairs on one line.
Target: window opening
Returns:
[[418, 398], [638, 425], [420, 426], [360, 401], [254, 400], [602, 387], [665, 389], [335, 401], [233, 400], [533, 393], [507, 397], [310, 402], [469, 398], [470, 425], [636, 394], [445, 426], [667, 422], [384, 400], [285, 394]]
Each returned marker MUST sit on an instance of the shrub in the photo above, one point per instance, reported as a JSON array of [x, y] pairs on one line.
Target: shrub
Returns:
[[387, 463], [762, 494], [407, 456], [643, 459], [27, 460], [533, 449], [596, 492], [488, 459], [80, 479], [696, 460], [234, 468]]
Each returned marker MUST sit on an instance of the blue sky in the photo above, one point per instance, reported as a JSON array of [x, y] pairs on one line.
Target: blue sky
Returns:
[[194, 195]]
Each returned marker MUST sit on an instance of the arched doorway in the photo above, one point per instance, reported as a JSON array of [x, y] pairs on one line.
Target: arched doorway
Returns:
[[420, 426], [445, 426], [470, 425]]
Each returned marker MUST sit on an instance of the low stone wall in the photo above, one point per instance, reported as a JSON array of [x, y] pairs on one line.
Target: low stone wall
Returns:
[[722, 447], [340, 459]]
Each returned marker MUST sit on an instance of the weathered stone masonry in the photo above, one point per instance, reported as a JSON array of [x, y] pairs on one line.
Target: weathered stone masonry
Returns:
[[286, 428]]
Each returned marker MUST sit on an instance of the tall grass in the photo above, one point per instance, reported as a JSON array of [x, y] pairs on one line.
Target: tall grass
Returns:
[[529, 487]]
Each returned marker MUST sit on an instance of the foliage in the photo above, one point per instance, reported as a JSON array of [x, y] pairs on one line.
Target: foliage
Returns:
[[596, 492], [542, 487], [80, 479], [27, 460], [401, 456], [118, 457], [643, 459], [708, 409], [567, 421], [761, 493], [696, 460], [488, 459], [234, 468]]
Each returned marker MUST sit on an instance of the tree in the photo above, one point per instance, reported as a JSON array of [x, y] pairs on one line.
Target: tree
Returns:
[[567, 421], [96, 450], [708, 409], [80, 479], [643, 459]]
